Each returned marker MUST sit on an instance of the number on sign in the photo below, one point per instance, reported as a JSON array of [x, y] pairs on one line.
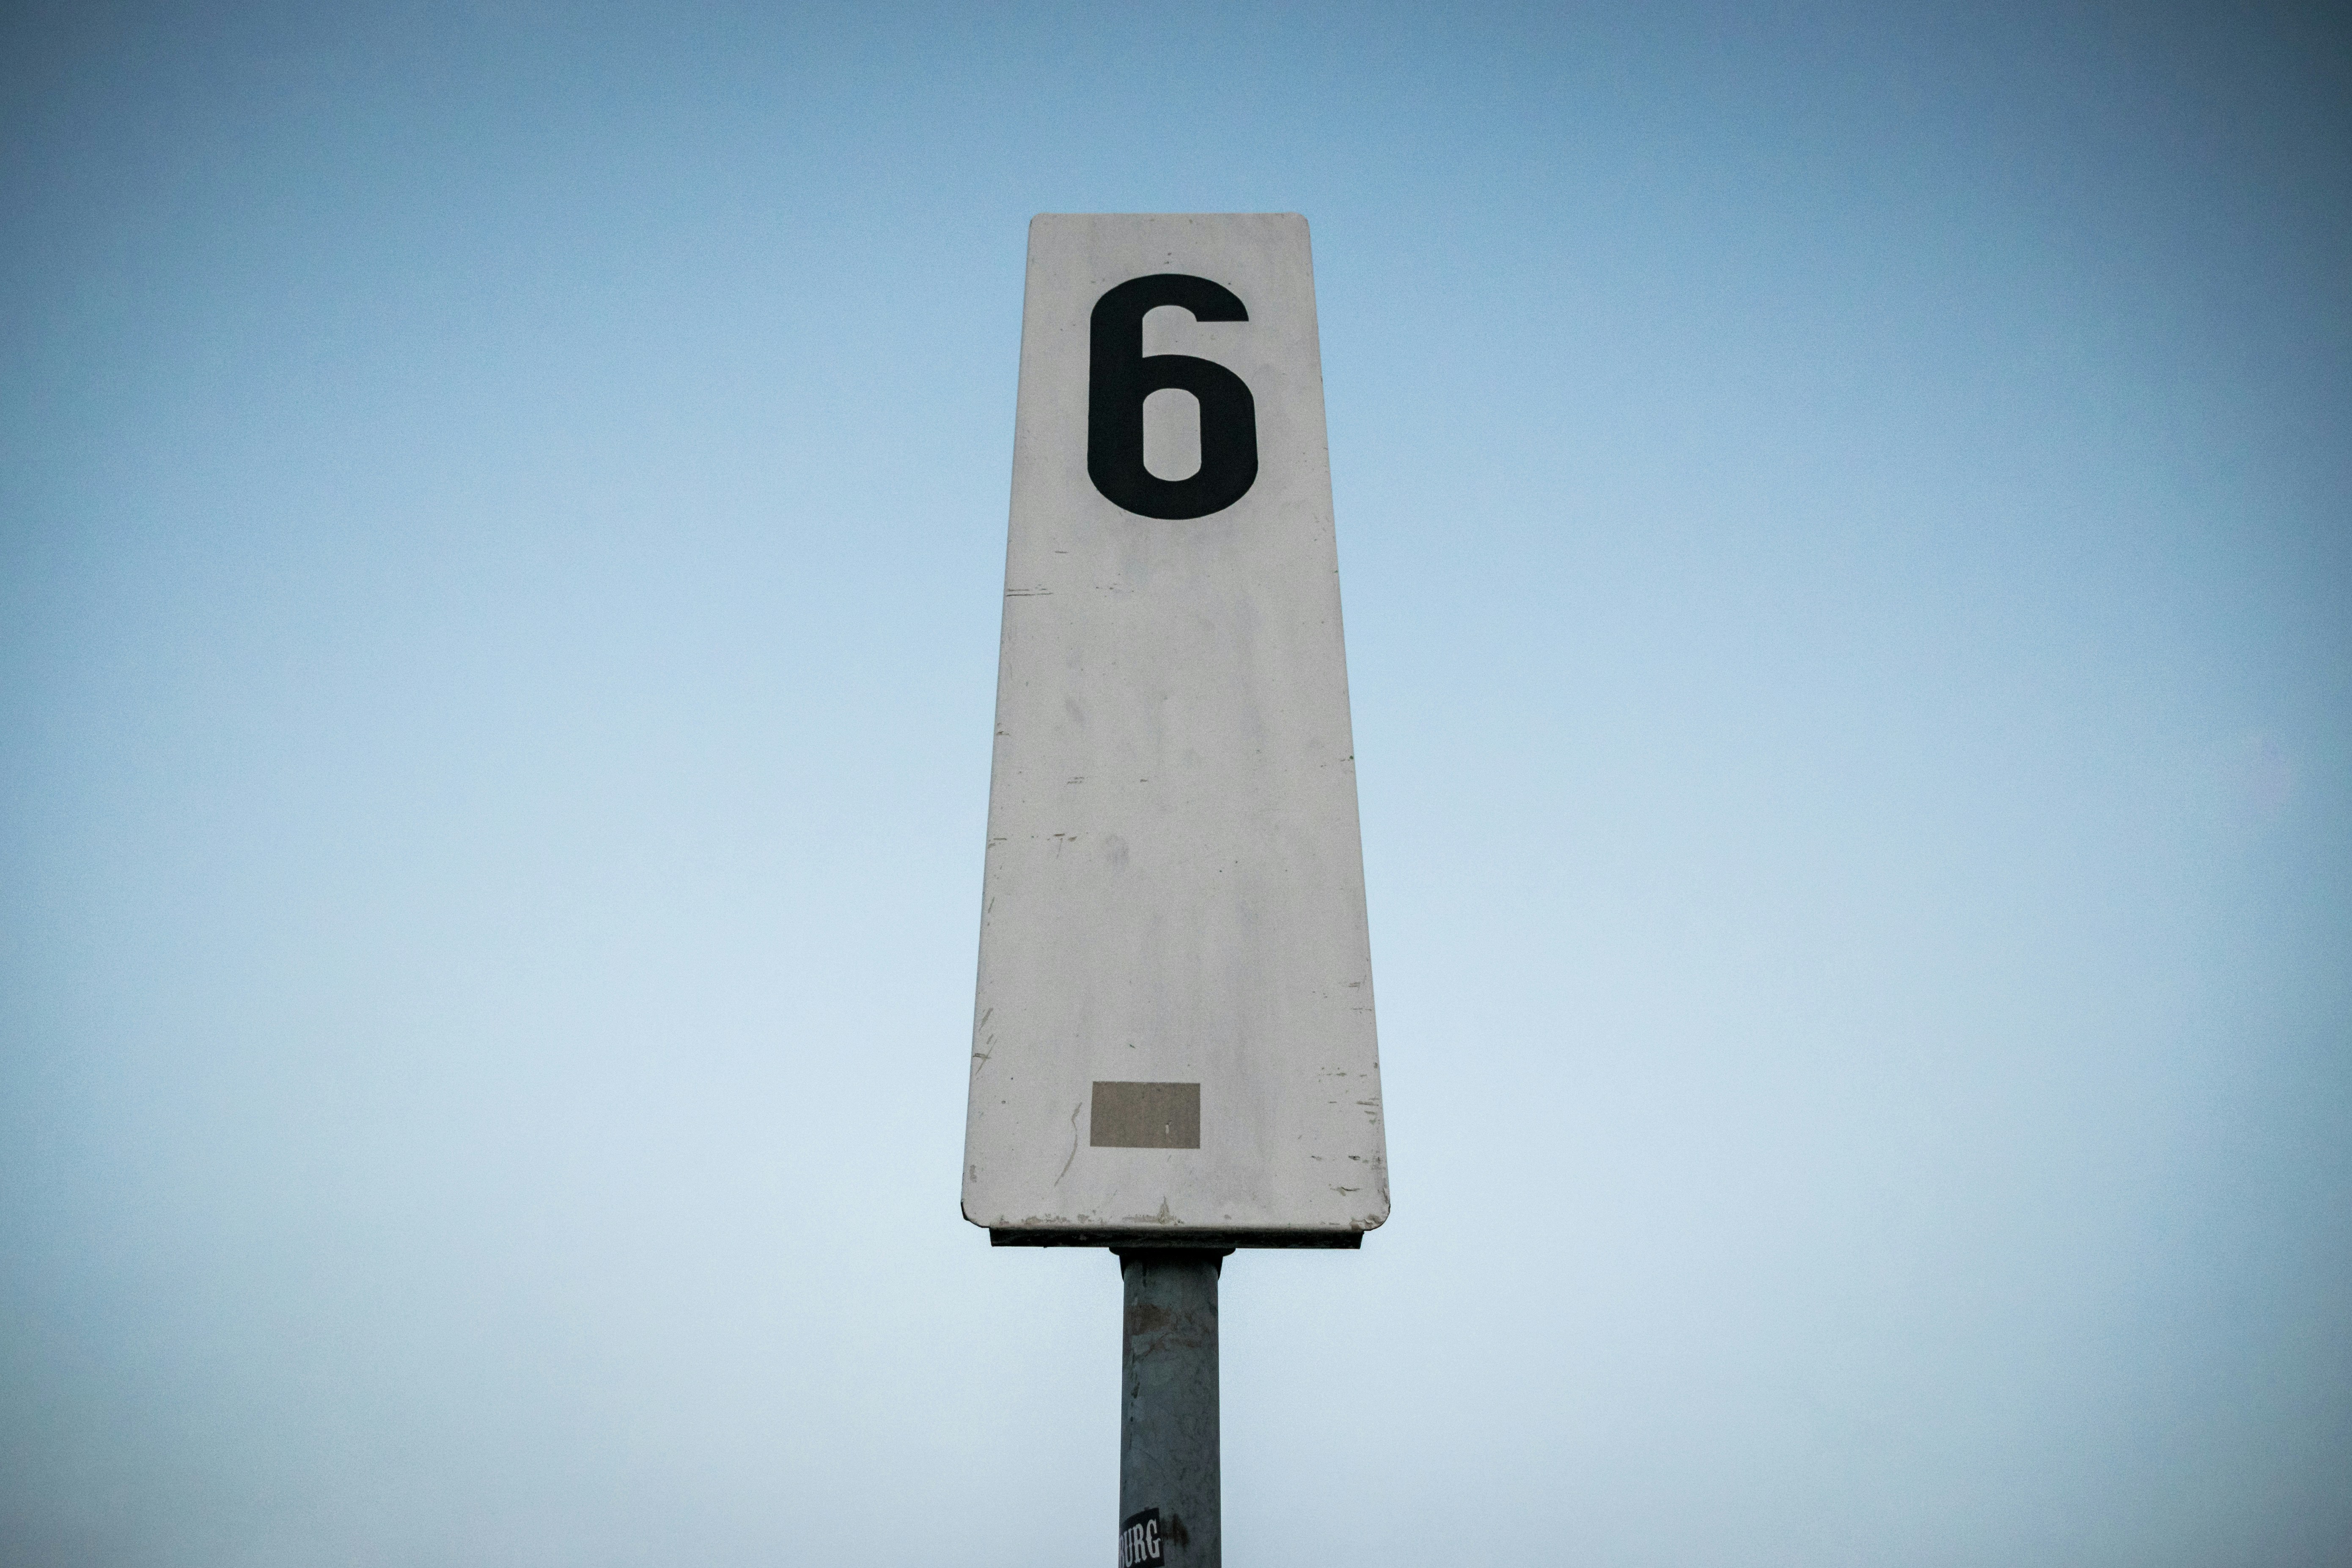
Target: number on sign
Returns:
[[1121, 376]]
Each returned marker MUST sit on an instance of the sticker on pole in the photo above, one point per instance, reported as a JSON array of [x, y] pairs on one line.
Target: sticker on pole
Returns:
[[1138, 1540], [1173, 1036]]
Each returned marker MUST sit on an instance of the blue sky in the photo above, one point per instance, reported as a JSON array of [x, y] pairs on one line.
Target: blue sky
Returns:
[[1843, 519]]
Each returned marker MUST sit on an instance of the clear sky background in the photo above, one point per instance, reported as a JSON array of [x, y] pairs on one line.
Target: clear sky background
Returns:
[[1845, 519]]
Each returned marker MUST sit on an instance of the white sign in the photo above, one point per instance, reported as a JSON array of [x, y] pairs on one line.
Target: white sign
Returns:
[[1174, 1037]]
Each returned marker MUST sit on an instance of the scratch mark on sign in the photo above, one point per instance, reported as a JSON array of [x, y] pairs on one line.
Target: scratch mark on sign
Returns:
[[1073, 1140]]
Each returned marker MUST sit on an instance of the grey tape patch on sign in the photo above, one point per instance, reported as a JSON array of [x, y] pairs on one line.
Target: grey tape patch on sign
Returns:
[[1145, 1116]]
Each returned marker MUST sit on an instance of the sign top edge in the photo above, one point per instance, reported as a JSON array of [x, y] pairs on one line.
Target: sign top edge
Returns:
[[1168, 218]]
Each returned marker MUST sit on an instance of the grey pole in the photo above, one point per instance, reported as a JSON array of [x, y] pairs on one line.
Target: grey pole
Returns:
[[1167, 1460]]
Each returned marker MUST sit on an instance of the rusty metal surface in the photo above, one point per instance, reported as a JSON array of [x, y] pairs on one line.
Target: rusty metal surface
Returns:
[[1169, 1457]]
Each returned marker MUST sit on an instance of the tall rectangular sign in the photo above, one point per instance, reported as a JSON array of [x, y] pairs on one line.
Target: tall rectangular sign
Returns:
[[1173, 1036]]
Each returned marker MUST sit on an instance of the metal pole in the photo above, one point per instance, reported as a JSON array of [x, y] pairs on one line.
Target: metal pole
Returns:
[[1167, 1460]]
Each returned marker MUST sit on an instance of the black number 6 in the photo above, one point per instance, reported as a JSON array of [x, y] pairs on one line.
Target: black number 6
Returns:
[[1121, 377]]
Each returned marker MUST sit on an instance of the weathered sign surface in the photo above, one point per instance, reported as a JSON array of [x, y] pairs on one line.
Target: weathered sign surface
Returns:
[[1173, 1036]]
